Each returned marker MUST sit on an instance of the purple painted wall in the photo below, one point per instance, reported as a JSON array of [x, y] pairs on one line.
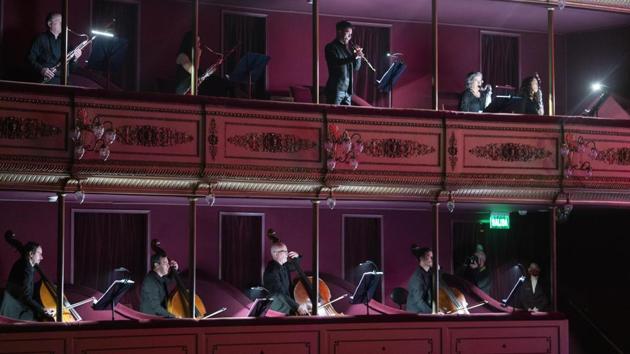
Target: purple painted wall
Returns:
[[169, 223]]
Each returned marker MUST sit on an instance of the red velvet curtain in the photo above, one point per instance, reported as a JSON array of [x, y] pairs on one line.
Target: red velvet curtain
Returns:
[[362, 242], [105, 241], [375, 44], [500, 59], [125, 28], [240, 250], [251, 33]]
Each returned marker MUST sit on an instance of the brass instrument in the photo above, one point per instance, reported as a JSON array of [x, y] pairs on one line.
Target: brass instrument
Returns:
[[355, 48], [69, 57]]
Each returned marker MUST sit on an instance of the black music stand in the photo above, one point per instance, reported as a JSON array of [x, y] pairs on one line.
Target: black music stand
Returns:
[[505, 104], [505, 301], [108, 54], [390, 77], [260, 307], [249, 69], [113, 294], [364, 291]]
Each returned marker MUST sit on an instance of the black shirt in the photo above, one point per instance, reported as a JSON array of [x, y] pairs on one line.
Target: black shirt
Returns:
[[470, 103], [277, 280], [45, 52], [19, 301], [154, 295], [420, 286]]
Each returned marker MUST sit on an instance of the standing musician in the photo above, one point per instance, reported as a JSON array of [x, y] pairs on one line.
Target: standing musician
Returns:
[[531, 296], [341, 60], [18, 301], [185, 64], [475, 98], [45, 51], [420, 284], [154, 293], [277, 277]]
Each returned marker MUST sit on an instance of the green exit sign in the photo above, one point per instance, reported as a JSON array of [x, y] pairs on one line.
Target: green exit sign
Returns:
[[499, 220]]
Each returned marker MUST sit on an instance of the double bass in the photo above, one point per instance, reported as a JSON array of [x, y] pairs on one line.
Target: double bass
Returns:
[[303, 289], [48, 290], [179, 299]]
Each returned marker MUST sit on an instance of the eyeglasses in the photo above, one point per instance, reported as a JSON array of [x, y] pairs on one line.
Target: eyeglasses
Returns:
[[282, 251]]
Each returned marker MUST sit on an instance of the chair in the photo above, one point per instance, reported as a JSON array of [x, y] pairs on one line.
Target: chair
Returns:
[[399, 296]]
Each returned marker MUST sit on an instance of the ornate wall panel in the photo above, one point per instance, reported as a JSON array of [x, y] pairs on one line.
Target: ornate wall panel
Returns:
[[280, 342], [137, 343], [34, 126], [395, 341], [541, 340]]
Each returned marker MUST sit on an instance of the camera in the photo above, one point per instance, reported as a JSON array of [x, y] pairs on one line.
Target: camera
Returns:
[[472, 259]]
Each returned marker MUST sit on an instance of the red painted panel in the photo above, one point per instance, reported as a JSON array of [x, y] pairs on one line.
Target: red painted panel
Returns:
[[138, 342], [391, 341], [31, 345], [277, 342]]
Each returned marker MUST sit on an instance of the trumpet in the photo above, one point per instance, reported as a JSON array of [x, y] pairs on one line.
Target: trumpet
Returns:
[[355, 49]]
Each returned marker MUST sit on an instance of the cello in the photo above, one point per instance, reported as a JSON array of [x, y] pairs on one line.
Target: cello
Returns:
[[179, 299], [453, 301], [48, 290]]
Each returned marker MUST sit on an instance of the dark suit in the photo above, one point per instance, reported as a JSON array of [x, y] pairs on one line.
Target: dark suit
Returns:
[[419, 287], [18, 301], [154, 295], [340, 65], [528, 299], [277, 279]]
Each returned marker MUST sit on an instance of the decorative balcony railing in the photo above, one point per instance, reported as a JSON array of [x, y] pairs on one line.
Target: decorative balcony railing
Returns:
[[174, 145]]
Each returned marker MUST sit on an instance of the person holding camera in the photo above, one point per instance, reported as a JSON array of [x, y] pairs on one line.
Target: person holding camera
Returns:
[[477, 272]]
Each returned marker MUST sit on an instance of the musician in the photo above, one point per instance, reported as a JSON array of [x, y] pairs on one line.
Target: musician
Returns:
[[185, 64], [475, 98], [154, 293], [420, 284], [45, 51], [477, 272], [277, 279], [341, 60], [532, 99], [19, 301], [531, 296]]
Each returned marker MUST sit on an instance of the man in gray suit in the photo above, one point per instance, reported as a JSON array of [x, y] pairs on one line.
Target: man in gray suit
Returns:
[[341, 60]]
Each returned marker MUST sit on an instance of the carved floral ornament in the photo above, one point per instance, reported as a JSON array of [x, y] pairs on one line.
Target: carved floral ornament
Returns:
[[272, 142], [396, 148], [17, 128], [510, 152], [152, 136], [92, 134], [342, 147]]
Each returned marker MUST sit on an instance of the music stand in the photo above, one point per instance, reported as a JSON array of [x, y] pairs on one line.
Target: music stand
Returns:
[[107, 55], [364, 291], [505, 301], [112, 295], [260, 307], [390, 77], [249, 69], [505, 104]]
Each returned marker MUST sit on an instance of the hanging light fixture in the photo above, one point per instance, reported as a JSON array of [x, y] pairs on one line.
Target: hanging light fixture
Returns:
[[92, 135], [450, 204], [330, 201], [344, 148], [578, 154]]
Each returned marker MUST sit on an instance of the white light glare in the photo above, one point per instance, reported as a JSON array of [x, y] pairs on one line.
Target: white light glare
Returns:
[[597, 86], [102, 33]]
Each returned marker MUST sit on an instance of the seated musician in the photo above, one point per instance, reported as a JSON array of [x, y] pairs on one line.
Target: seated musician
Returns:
[[45, 51], [277, 279], [475, 98], [420, 284], [531, 296], [19, 301], [185, 64], [154, 293], [532, 99]]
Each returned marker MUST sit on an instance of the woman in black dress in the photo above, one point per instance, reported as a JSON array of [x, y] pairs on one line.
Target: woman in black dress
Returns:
[[474, 99], [532, 100]]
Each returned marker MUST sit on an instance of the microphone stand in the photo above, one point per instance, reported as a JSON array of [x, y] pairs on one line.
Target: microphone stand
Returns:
[[518, 282]]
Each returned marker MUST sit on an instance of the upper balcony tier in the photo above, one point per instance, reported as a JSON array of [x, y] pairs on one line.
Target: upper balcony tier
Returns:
[[171, 145]]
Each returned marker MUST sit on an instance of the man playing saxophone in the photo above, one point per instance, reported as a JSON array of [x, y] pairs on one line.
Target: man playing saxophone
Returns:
[[45, 54]]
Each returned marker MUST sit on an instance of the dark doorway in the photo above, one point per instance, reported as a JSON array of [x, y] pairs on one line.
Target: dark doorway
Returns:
[[241, 244], [361, 242]]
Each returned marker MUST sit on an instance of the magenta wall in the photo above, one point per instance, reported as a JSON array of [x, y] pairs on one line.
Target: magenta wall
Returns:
[[288, 42], [169, 223]]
